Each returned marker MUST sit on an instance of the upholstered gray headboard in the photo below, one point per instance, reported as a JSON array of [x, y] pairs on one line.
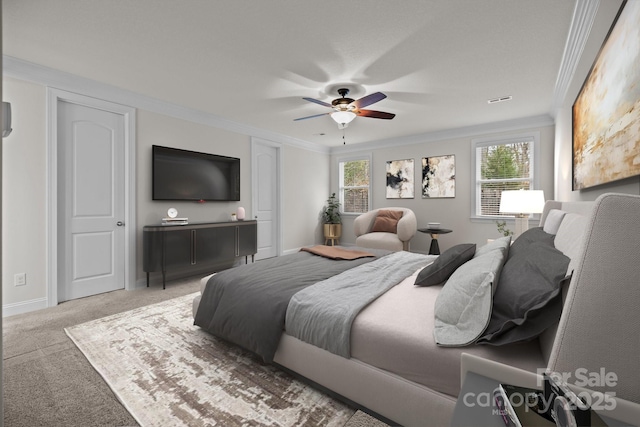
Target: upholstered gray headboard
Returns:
[[600, 323], [569, 241]]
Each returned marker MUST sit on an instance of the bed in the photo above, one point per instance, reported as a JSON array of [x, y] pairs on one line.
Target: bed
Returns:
[[392, 364]]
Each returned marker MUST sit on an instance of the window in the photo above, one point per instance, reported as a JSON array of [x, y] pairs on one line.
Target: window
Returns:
[[355, 185], [502, 165]]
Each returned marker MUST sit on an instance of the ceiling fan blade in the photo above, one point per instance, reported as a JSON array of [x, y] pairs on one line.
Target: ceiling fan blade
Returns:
[[369, 99], [310, 117], [375, 114], [318, 102]]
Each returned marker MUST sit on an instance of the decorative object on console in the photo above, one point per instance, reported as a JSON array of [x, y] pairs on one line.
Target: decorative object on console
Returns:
[[438, 177], [332, 221], [606, 113], [521, 203], [400, 183], [234, 216], [172, 218], [241, 214]]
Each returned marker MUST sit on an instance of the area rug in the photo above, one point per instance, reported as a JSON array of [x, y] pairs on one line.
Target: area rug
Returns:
[[166, 371]]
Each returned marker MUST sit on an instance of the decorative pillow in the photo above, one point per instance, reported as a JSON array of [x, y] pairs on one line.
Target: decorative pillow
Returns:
[[463, 306], [529, 298], [522, 243], [553, 220], [502, 243], [445, 265], [386, 221]]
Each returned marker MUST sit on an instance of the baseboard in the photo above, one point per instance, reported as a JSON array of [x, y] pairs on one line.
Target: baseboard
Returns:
[[12, 309]]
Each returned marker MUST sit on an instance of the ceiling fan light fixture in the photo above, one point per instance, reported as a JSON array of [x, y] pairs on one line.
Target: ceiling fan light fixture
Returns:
[[343, 117]]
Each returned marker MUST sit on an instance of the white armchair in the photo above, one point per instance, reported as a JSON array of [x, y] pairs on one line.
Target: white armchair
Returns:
[[398, 241]]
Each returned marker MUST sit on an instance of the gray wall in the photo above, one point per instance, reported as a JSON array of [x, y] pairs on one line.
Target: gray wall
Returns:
[[452, 213]]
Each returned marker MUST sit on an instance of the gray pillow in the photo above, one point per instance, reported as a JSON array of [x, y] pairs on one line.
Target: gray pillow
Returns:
[[502, 243], [463, 306], [529, 298], [522, 243], [445, 265]]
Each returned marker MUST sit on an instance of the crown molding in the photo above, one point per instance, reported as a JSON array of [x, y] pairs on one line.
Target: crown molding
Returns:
[[584, 15], [29, 71], [464, 132]]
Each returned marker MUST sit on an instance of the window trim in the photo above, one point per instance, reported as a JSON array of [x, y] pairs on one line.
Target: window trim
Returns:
[[476, 143], [368, 157]]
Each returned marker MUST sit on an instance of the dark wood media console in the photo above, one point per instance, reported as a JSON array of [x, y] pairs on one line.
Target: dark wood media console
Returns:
[[194, 245]]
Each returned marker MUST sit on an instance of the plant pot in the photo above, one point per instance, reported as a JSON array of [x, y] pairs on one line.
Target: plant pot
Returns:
[[332, 232]]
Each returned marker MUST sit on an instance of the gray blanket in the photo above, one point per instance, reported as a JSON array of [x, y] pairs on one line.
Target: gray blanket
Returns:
[[322, 314], [247, 305]]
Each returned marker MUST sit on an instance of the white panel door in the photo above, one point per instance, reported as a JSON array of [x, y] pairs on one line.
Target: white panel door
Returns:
[[91, 201], [266, 199]]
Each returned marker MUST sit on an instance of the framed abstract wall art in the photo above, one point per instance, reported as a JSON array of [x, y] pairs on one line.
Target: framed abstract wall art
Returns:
[[400, 179], [606, 113], [438, 177]]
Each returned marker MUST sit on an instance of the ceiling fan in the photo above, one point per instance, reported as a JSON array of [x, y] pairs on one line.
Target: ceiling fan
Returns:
[[346, 109]]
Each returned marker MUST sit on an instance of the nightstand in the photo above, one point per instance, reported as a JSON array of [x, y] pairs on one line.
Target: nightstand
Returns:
[[480, 377]]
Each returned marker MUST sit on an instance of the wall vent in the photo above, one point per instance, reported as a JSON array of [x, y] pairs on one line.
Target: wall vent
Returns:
[[500, 99]]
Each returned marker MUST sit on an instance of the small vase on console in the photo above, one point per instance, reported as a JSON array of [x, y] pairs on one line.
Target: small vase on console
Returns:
[[241, 214]]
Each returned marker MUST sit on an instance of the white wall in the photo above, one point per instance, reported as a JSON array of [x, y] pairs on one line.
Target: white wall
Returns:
[[452, 213], [24, 196], [305, 190], [606, 13], [305, 183]]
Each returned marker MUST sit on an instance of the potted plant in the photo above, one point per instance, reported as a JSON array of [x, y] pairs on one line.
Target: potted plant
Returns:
[[331, 219], [502, 228]]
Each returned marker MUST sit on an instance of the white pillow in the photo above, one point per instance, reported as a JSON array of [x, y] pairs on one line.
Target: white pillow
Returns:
[[463, 307], [553, 220]]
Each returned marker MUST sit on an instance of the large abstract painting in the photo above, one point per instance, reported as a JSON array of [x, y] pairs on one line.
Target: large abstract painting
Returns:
[[606, 114], [438, 177], [400, 180]]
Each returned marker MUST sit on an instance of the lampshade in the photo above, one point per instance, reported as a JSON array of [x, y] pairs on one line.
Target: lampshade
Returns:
[[522, 201], [343, 117]]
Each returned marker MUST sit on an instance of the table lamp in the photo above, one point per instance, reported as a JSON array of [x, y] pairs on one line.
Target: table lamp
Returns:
[[522, 203]]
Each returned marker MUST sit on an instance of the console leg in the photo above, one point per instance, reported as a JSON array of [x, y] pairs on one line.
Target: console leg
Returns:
[[163, 279], [147, 279]]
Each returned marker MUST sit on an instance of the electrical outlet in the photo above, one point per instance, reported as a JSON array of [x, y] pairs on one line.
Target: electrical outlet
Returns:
[[20, 279]]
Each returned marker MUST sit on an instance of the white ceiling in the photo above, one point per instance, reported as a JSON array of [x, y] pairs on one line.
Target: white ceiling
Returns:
[[251, 62]]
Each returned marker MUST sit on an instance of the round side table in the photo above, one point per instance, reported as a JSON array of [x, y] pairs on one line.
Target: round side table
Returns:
[[434, 249]]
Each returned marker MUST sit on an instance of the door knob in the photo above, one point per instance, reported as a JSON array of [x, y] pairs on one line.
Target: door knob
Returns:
[[120, 223]]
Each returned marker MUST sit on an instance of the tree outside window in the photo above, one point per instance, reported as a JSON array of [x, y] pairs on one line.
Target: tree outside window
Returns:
[[500, 167], [355, 185]]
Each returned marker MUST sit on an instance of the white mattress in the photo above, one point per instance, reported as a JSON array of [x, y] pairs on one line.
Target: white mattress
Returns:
[[395, 333]]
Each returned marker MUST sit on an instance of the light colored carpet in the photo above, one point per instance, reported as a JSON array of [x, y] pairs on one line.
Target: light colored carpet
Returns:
[[49, 382], [166, 371]]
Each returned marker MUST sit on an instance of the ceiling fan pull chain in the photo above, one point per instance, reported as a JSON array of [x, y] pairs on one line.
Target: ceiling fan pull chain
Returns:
[[343, 141]]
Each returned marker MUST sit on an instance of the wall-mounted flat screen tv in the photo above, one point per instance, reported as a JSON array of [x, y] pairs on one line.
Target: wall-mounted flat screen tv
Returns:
[[189, 175]]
